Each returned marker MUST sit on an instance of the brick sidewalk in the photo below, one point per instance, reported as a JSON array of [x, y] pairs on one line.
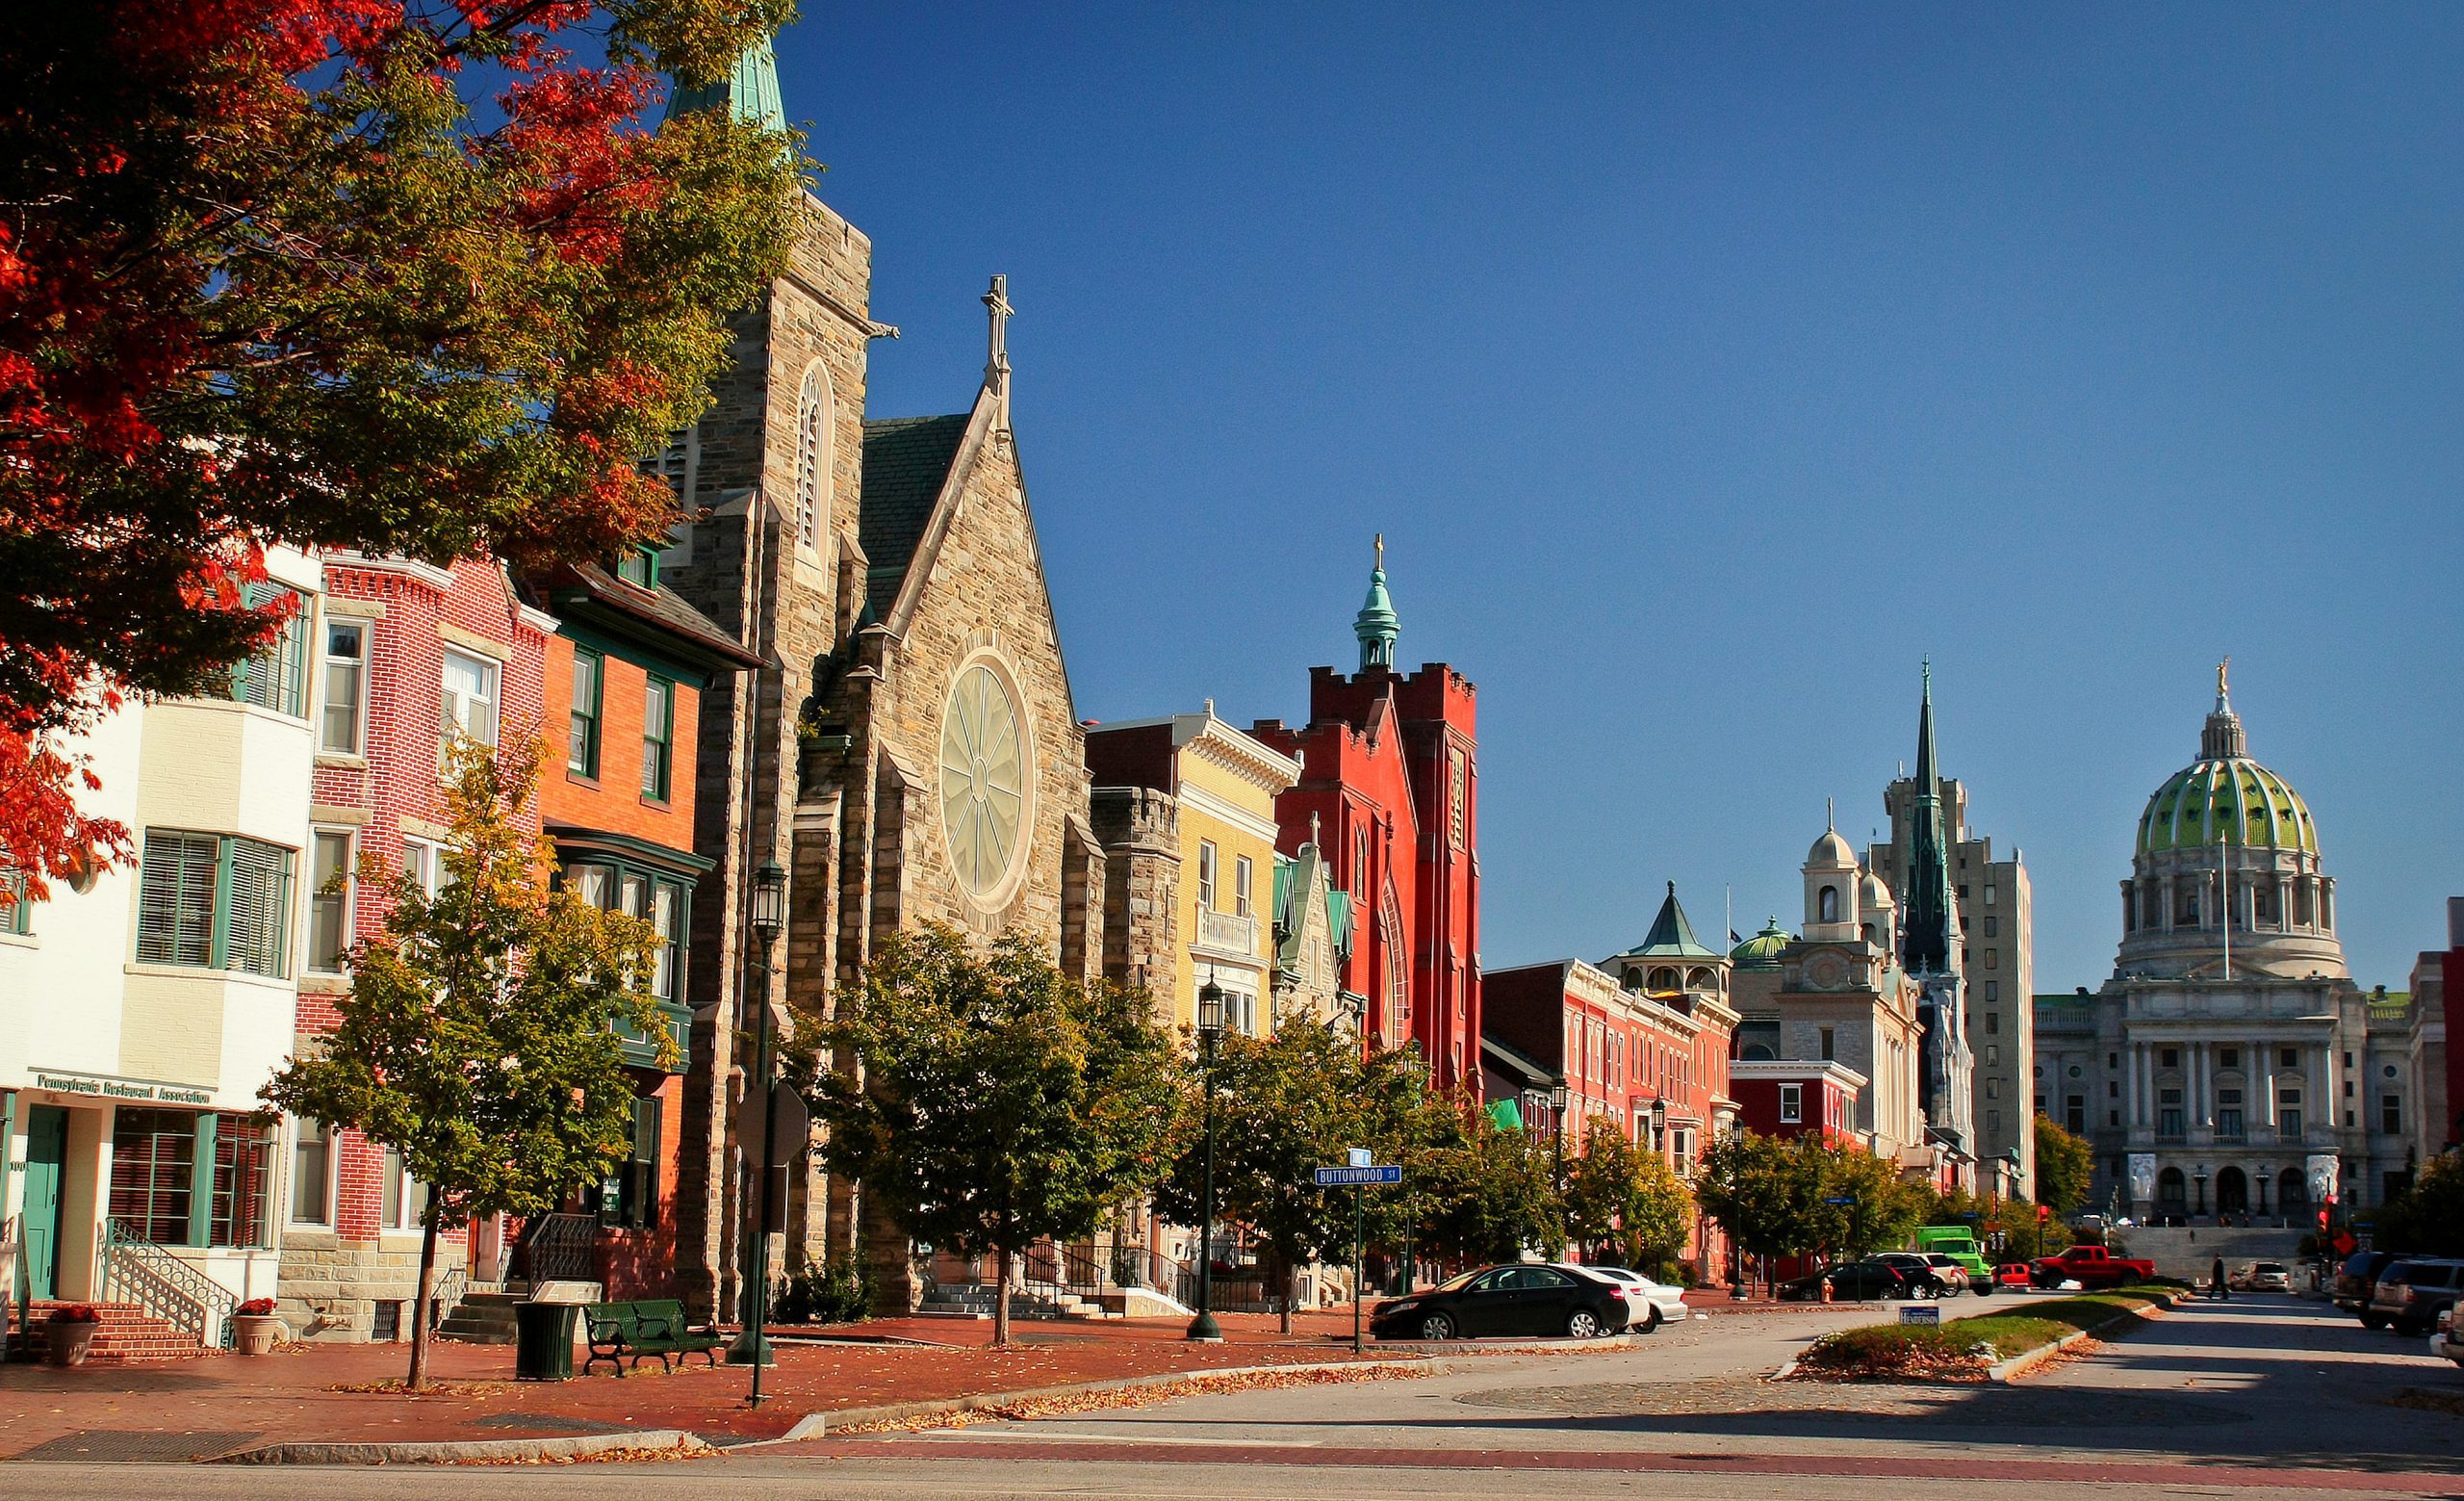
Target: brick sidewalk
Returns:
[[291, 1396]]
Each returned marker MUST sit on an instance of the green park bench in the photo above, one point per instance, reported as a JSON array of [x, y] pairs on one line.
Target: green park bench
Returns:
[[628, 1331]]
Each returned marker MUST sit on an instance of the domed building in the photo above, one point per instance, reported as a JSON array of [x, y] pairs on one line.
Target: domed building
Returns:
[[2230, 1067]]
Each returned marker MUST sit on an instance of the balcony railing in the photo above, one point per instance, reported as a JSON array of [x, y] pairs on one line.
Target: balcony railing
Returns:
[[1227, 932], [641, 1049]]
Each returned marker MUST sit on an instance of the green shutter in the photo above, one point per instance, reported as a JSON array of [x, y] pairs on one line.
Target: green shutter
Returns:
[[258, 923], [175, 898]]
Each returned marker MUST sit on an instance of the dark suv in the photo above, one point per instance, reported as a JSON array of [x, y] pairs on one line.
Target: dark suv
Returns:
[[2356, 1278], [2412, 1294]]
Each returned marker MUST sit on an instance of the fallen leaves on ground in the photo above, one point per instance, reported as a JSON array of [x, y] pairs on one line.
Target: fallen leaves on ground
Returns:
[[690, 1449], [397, 1387]]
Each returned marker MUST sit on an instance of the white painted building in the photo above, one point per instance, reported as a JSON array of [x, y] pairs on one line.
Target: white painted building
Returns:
[[139, 1016]]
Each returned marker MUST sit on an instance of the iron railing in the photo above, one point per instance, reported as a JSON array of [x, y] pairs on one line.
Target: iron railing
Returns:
[[140, 1271], [452, 1286], [557, 1248]]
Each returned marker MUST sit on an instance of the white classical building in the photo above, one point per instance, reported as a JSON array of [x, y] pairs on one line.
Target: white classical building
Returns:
[[2230, 1067], [142, 1008]]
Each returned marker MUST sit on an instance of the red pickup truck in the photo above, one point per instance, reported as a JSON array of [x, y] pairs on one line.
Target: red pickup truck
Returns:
[[2090, 1266]]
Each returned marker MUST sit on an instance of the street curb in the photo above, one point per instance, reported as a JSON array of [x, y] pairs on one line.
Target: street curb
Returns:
[[463, 1451], [812, 1425], [2026, 1361]]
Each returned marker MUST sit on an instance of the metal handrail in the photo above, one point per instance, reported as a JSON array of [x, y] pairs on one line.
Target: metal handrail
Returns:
[[450, 1288], [138, 1270], [557, 1248]]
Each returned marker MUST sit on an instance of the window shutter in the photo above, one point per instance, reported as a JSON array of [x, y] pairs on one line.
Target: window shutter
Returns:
[[175, 898], [260, 907]]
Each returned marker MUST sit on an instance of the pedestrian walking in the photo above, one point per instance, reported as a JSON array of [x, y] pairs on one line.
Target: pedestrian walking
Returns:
[[2216, 1284]]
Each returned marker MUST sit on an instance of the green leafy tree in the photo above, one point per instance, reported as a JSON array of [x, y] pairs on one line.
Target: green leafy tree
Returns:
[[1284, 1106], [1624, 1199], [1492, 1192], [479, 1037], [991, 1101], [1763, 1192], [1880, 1207], [2065, 1163], [2427, 1219]]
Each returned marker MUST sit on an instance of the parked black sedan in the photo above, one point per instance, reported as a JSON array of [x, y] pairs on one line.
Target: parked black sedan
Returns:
[[1523, 1299], [1854, 1282]]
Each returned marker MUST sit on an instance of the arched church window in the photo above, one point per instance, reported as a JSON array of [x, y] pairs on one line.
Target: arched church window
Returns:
[[1825, 905], [812, 457]]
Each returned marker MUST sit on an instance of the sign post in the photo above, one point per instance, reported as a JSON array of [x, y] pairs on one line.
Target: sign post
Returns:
[[1362, 1172]]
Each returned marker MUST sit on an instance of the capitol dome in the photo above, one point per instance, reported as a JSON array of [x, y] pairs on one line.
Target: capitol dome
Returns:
[[2225, 876], [2233, 800], [1762, 951]]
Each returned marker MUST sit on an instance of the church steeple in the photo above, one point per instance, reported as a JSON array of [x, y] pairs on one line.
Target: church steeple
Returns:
[[1925, 925], [1378, 625], [748, 90]]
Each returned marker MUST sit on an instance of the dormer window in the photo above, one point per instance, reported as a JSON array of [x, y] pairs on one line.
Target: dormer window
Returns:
[[639, 567]]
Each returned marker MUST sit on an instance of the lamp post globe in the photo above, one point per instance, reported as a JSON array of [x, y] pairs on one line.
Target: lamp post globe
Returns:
[[1210, 1027], [1659, 1122]]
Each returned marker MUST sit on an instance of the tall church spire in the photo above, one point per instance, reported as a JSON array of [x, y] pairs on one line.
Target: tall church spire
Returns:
[[1378, 625], [748, 90], [1925, 925]]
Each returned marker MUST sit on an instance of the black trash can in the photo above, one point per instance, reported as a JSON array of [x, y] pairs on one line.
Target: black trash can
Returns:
[[543, 1340]]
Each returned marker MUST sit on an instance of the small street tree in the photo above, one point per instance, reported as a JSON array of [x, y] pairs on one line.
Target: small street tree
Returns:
[[1864, 1205], [479, 1038], [1624, 1200], [1492, 1194], [2064, 1164], [1762, 1192], [992, 1100], [1285, 1105], [2427, 1218]]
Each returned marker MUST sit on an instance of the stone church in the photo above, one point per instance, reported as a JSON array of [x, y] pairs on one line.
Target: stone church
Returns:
[[910, 754]]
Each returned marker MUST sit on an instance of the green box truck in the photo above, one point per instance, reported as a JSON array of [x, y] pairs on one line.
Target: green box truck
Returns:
[[1958, 1243]]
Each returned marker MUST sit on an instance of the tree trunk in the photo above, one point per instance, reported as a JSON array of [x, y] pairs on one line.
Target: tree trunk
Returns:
[[1291, 1275], [1001, 1299], [419, 1304]]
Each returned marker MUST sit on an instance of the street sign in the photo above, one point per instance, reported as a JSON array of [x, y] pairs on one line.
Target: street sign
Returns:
[[1839, 1201], [1360, 1156], [2344, 1243], [1920, 1313], [1334, 1178]]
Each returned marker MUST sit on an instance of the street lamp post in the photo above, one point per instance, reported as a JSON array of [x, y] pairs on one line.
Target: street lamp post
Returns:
[[1210, 1027], [1559, 1094], [769, 921], [2201, 1176], [1660, 1123]]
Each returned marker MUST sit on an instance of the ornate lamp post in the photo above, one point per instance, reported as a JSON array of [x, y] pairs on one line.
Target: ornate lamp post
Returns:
[[769, 921], [2201, 1176], [1660, 1123], [1210, 1027], [1559, 1094]]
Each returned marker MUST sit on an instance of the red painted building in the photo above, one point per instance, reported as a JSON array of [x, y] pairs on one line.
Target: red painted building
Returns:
[[1798, 1097], [405, 651], [1389, 792]]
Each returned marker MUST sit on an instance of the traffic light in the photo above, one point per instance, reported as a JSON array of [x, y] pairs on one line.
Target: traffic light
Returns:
[[2323, 1218]]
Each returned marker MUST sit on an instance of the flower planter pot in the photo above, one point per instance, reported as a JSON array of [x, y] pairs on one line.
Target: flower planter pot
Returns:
[[70, 1343], [256, 1333]]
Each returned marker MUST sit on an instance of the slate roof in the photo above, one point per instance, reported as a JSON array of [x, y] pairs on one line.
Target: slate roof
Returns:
[[1671, 937], [907, 460], [660, 610]]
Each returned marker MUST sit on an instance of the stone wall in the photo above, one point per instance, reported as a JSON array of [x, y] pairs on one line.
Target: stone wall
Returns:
[[1140, 831], [328, 1288]]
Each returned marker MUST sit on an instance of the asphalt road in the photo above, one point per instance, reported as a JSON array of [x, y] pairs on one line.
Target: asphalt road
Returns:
[[2261, 1397]]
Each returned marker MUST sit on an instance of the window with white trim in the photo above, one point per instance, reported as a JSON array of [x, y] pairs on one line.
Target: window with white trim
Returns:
[[812, 457], [471, 685], [311, 1173], [216, 901], [342, 710], [1792, 1104], [330, 888]]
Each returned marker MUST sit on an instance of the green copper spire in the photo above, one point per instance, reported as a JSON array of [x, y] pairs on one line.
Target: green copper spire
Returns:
[[750, 91], [1378, 625], [1925, 936]]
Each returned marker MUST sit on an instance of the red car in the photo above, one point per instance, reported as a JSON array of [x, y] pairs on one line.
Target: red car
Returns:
[[2013, 1274]]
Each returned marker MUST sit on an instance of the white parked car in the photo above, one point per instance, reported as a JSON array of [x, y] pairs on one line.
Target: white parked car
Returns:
[[1652, 1302], [2447, 1342]]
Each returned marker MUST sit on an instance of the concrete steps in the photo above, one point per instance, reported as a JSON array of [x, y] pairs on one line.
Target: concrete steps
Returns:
[[487, 1318], [126, 1333]]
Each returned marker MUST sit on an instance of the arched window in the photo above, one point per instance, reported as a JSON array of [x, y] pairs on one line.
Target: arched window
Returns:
[[1825, 905], [1698, 979], [812, 457], [1663, 980], [1756, 1052]]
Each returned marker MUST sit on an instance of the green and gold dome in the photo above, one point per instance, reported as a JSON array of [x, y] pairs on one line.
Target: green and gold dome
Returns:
[[1762, 951], [2224, 797], [2231, 800]]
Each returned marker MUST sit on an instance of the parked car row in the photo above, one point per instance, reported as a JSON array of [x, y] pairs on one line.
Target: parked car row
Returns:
[[2409, 1294], [1538, 1298]]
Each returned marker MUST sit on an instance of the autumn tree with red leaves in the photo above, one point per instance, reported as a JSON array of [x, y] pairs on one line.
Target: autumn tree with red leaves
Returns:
[[411, 278]]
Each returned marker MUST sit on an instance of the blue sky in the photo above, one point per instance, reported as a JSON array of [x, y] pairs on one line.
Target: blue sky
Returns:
[[1706, 368]]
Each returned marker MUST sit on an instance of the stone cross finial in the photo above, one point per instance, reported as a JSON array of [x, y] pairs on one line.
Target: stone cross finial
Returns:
[[996, 364]]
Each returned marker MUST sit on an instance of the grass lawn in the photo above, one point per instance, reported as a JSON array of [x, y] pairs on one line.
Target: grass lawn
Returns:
[[1965, 1347]]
